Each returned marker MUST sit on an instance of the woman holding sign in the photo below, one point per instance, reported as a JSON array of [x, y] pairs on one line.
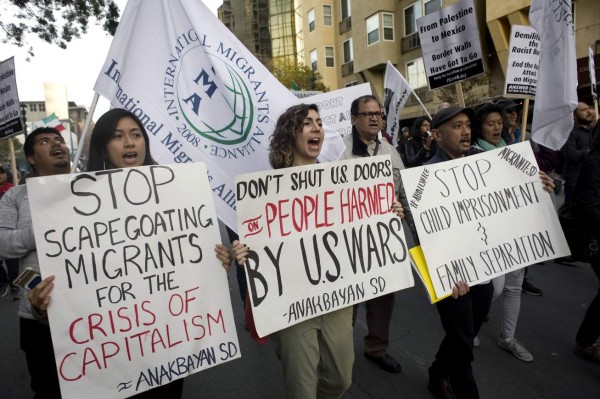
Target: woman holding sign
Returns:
[[487, 135], [317, 354], [119, 140]]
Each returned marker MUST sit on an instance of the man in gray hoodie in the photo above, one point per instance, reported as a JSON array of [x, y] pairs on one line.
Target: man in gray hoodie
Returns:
[[47, 154]]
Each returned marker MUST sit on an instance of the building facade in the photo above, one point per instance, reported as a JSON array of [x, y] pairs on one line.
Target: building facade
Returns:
[[350, 42]]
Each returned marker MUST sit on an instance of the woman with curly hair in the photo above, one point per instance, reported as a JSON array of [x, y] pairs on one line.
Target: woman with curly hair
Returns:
[[317, 354]]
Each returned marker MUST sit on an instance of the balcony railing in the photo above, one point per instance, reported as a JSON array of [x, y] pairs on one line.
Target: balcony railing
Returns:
[[348, 68], [345, 25], [410, 42]]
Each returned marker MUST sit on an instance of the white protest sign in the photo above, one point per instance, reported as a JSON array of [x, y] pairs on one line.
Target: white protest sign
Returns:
[[321, 238], [592, 67], [523, 62], [10, 111], [139, 298], [482, 216], [334, 108], [450, 44]]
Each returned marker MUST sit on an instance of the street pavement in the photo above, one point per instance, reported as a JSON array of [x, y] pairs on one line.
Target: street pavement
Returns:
[[547, 327]]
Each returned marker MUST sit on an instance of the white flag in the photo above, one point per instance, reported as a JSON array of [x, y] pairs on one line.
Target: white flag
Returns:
[[556, 96], [201, 95], [396, 91]]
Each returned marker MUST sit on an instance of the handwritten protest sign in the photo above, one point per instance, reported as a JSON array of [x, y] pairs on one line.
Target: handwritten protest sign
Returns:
[[10, 111], [450, 43], [139, 298], [321, 238], [523, 62], [482, 216]]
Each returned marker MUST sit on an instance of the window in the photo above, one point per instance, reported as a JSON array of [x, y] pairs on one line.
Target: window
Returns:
[[327, 14], [348, 51], [313, 59], [415, 73], [311, 20], [388, 26], [329, 59], [346, 11], [432, 6], [373, 29], [411, 14]]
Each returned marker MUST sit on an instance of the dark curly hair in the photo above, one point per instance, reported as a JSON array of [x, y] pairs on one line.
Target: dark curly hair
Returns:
[[103, 133], [281, 146]]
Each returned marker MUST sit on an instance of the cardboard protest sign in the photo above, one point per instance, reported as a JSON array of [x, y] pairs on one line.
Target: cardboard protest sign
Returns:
[[321, 238], [139, 298], [523, 62], [10, 111], [450, 43], [334, 108], [482, 216]]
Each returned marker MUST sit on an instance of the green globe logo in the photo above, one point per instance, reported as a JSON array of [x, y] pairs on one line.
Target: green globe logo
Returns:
[[214, 98]]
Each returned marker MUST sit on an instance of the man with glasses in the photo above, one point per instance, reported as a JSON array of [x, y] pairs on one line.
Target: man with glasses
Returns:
[[367, 120]]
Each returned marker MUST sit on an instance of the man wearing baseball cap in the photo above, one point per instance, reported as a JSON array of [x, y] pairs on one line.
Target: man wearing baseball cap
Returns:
[[451, 372]]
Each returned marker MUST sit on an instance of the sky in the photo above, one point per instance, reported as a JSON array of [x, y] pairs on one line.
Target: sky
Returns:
[[77, 66]]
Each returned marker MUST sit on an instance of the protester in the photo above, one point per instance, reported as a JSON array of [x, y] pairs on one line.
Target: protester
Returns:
[[10, 269], [403, 138], [510, 111], [419, 150], [47, 154], [317, 354], [119, 140], [451, 374], [577, 147], [366, 116], [587, 197], [487, 135]]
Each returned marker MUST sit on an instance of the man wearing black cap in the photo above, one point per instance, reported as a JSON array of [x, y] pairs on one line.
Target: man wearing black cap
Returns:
[[451, 374]]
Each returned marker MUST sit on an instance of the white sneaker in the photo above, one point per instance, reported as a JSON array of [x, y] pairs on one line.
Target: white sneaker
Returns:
[[515, 348], [476, 342]]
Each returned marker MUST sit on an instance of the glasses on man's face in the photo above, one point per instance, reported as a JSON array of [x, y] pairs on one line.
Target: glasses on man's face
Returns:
[[369, 115]]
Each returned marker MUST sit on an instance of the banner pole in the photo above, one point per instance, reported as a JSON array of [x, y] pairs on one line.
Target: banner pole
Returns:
[[419, 100], [13, 161], [86, 127], [459, 95], [524, 119]]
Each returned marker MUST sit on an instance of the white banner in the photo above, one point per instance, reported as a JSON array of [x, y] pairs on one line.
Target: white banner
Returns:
[[450, 44], [334, 108], [139, 298], [556, 95], [321, 238], [592, 67], [203, 97], [523, 62], [10, 108], [396, 92], [482, 216]]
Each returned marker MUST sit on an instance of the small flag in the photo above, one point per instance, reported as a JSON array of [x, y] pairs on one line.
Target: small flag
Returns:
[[53, 121]]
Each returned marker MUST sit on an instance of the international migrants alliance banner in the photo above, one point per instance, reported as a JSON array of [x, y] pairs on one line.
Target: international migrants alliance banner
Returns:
[[321, 237], [482, 216], [139, 298], [201, 95], [10, 108]]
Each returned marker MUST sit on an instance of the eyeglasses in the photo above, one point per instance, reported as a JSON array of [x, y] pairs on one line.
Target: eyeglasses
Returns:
[[369, 115]]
